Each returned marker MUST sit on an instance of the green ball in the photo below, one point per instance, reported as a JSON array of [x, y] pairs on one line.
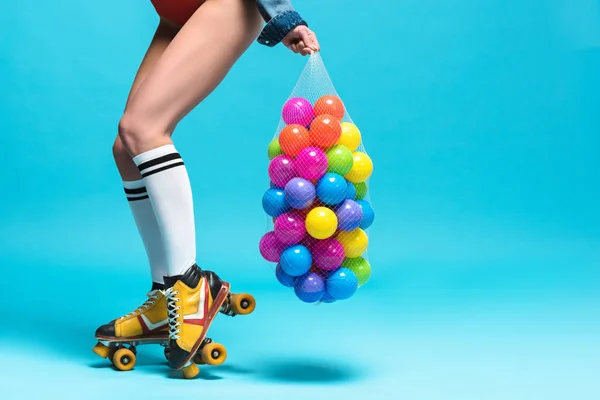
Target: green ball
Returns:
[[360, 267], [361, 190], [274, 149], [340, 160]]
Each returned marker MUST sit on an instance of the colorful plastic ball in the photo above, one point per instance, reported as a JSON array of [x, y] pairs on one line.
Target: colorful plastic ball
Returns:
[[281, 170], [270, 247], [351, 194], [284, 278], [311, 163], [296, 260], [294, 138], [362, 168], [349, 215], [274, 149], [274, 203], [325, 130], [342, 284], [360, 267], [327, 298], [289, 228], [310, 287], [368, 214], [339, 160], [321, 223], [361, 190], [355, 242], [332, 188], [328, 254], [297, 110], [299, 193], [330, 104], [350, 136]]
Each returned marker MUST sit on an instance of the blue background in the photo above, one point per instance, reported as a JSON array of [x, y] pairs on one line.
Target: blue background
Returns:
[[482, 120]]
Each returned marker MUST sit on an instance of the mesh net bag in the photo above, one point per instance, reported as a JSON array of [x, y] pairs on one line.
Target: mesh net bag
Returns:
[[317, 203]]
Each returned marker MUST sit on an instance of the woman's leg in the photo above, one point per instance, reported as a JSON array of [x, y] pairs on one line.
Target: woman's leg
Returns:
[[191, 67], [165, 32], [139, 203]]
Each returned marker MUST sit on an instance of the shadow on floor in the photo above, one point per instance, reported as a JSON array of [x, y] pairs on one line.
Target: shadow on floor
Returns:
[[308, 371]]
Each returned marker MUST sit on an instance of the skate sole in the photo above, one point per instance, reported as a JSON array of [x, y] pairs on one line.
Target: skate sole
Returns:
[[212, 313]]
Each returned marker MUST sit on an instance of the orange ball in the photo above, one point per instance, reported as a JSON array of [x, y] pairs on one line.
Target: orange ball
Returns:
[[293, 139], [330, 105], [325, 130]]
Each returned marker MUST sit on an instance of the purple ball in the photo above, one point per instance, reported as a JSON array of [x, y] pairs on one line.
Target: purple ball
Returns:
[[328, 254], [311, 163], [300, 193], [281, 169], [349, 215], [310, 287], [297, 110], [290, 228], [270, 247]]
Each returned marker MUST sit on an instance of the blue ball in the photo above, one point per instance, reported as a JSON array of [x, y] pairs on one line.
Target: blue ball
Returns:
[[310, 287], [327, 298], [368, 214], [284, 278], [274, 202], [332, 189], [342, 284], [299, 193], [296, 260], [351, 193]]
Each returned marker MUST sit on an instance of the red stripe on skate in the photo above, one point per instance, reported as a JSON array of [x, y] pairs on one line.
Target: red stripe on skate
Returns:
[[143, 324]]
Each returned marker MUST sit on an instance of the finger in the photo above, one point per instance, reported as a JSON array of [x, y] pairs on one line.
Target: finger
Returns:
[[310, 39]]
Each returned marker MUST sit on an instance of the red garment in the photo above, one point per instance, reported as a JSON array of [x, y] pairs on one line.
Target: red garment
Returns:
[[177, 11]]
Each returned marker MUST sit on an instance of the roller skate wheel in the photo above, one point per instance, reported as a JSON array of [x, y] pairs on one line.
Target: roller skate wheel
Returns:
[[123, 359], [242, 304], [214, 354], [102, 350], [191, 371]]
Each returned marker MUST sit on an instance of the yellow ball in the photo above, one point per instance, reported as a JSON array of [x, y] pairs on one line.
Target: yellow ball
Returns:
[[321, 223], [362, 168], [355, 242], [350, 136]]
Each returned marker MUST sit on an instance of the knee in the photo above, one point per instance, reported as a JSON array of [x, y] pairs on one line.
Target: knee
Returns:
[[138, 134]]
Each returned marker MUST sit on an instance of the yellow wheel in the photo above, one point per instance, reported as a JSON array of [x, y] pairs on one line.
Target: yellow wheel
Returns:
[[191, 371], [102, 350], [242, 303], [213, 354], [123, 359]]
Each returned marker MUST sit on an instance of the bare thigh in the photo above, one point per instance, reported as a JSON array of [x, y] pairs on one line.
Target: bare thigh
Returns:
[[191, 67], [165, 32]]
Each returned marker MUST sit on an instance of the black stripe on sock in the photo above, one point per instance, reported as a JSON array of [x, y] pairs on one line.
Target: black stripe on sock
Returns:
[[137, 198], [158, 161], [136, 191], [154, 171]]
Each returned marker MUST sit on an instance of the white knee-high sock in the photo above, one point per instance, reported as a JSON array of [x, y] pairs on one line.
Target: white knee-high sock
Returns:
[[168, 187], [143, 214]]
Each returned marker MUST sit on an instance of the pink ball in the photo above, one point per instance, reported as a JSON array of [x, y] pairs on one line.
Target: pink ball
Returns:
[[282, 169], [270, 247], [311, 163], [290, 228], [328, 254], [297, 110]]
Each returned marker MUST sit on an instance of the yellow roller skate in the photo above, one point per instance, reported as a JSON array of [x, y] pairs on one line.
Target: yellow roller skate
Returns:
[[193, 301], [148, 324]]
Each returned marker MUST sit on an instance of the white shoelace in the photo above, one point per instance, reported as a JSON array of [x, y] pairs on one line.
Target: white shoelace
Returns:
[[172, 309], [152, 297]]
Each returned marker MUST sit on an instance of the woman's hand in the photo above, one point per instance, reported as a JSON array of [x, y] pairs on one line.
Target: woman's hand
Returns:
[[301, 40]]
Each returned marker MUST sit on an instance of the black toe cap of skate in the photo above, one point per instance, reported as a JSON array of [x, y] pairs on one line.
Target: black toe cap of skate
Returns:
[[176, 355], [106, 330]]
